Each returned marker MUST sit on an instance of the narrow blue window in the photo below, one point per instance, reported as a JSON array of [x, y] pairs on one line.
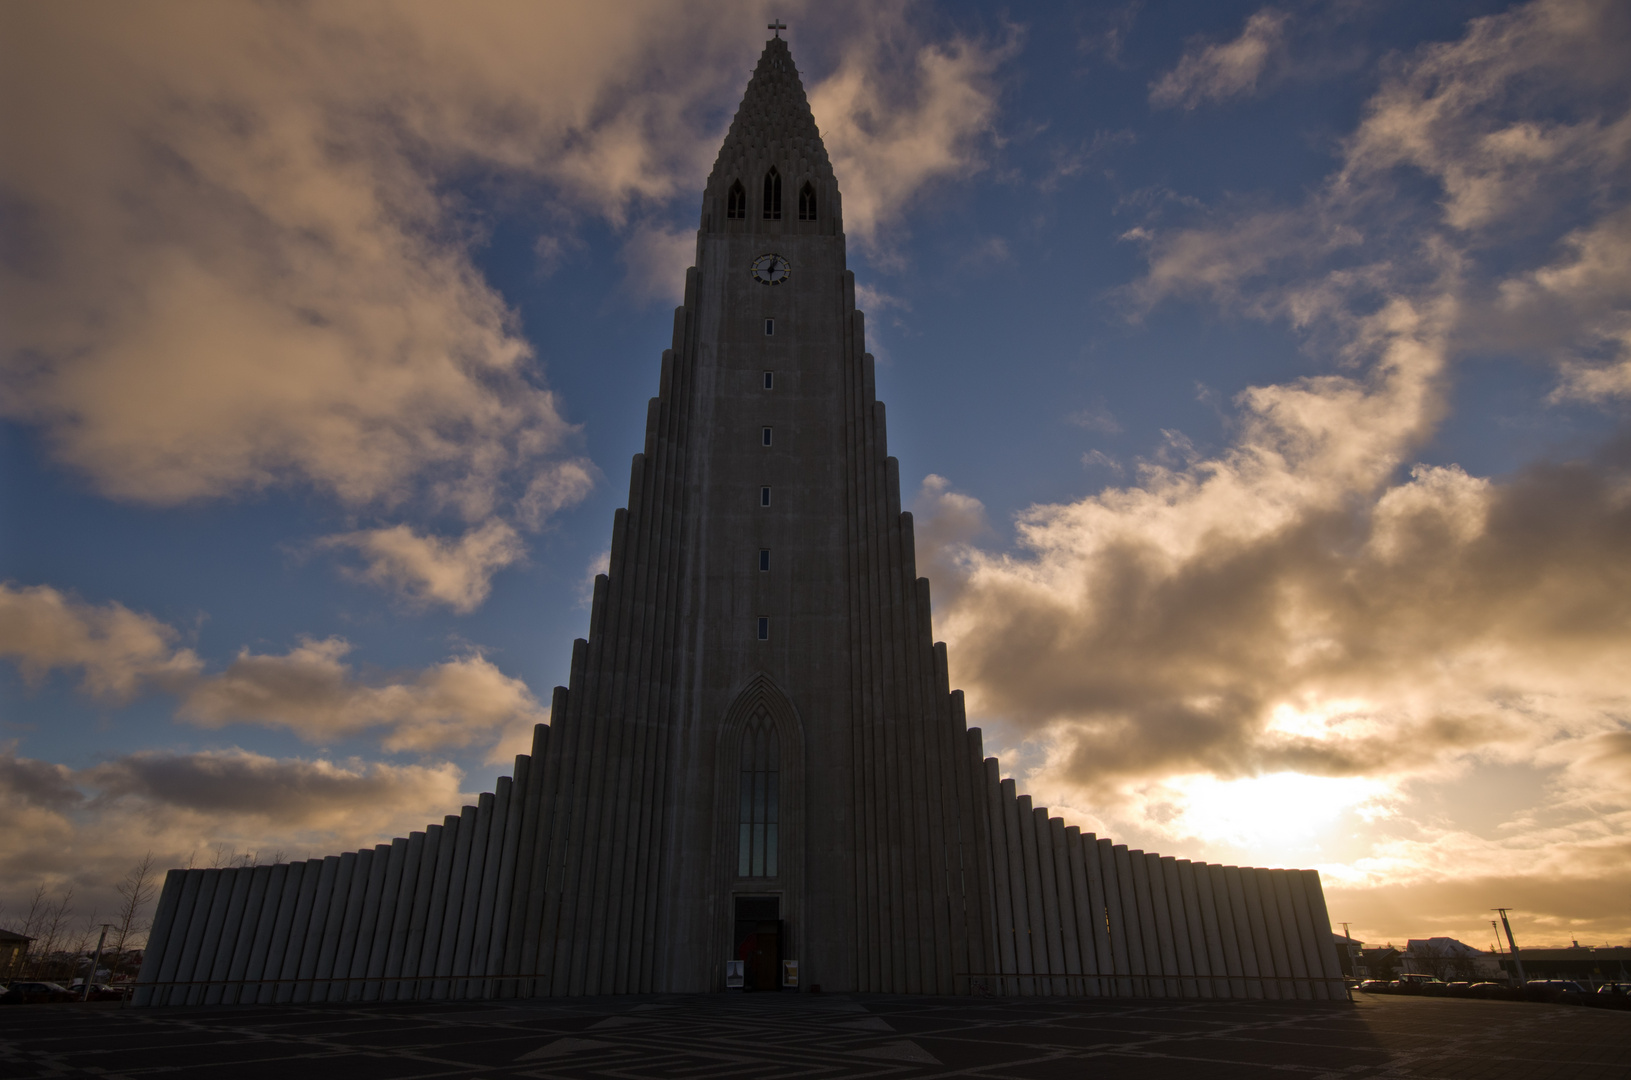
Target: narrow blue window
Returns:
[[758, 810], [765, 434], [764, 629], [764, 496], [770, 327], [764, 559], [770, 380]]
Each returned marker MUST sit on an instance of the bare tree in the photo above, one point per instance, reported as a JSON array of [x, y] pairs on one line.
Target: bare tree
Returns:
[[137, 889], [49, 926]]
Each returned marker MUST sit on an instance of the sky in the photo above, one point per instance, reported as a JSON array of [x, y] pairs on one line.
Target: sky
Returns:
[[1258, 376]]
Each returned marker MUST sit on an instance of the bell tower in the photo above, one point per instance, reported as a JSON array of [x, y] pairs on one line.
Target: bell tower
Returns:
[[800, 638]]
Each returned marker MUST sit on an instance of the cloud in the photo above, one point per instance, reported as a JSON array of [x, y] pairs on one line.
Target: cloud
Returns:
[[656, 258], [430, 569], [87, 827], [252, 265], [1218, 72], [896, 117], [291, 791], [1522, 131], [311, 691], [118, 652], [1096, 417], [1314, 609]]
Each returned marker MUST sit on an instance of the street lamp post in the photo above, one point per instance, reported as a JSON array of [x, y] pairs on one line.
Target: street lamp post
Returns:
[[90, 975]]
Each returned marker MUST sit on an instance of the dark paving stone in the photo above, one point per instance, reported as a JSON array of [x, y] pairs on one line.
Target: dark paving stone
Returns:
[[830, 1038]]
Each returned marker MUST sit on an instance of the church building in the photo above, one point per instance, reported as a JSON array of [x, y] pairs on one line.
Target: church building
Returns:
[[758, 776]]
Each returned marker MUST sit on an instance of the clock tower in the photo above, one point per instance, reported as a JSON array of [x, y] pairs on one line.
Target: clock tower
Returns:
[[777, 770]]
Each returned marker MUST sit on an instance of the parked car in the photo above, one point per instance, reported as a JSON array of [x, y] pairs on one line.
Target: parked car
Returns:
[[1374, 986], [1417, 984], [1553, 990], [1618, 989], [99, 992], [1457, 989], [35, 993], [1488, 990]]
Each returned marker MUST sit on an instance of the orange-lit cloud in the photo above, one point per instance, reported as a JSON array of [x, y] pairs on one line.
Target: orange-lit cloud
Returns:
[[88, 827], [1310, 617], [311, 690]]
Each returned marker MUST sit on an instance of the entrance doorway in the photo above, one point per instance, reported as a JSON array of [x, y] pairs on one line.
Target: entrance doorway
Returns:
[[758, 941]]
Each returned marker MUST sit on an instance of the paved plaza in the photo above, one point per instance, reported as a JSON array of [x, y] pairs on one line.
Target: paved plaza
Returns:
[[823, 1037]]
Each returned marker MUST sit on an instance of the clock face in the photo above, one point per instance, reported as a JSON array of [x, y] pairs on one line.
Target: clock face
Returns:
[[771, 270]]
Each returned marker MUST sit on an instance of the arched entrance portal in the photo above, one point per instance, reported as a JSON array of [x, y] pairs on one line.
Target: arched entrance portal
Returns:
[[759, 847]]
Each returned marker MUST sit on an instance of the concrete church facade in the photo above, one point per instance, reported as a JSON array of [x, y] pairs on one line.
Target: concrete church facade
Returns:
[[758, 774]]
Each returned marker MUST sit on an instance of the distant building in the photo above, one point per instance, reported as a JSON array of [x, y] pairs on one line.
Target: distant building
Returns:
[[1450, 960], [1350, 954], [1582, 963], [13, 951]]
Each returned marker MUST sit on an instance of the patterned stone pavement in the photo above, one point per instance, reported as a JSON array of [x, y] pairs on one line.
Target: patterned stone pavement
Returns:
[[832, 1036]]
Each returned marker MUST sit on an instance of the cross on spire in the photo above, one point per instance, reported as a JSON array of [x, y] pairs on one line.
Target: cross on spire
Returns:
[[778, 26]]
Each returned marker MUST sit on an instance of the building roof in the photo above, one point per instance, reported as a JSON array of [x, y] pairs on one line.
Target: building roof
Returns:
[[9, 936]]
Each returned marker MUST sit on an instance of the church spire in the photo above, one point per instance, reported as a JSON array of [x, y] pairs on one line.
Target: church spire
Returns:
[[773, 129]]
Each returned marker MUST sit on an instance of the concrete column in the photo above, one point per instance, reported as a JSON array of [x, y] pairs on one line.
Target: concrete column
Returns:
[[1180, 924], [979, 836], [1038, 918], [384, 919], [413, 946], [158, 938], [1002, 887], [1131, 931], [1109, 938], [481, 943], [1149, 931], [468, 913], [1166, 940], [1264, 948], [448, 940], [1195, 920], [248, 925], [1087, 953], [1198, 892], [1288, 930], [373, 891], [1241, 912], [406, 892], [277, 948], [1025, 963], [204, 911], [265, 924], [227, 943], [498, 940], [298, 924], [312, 946], [439, 885], [1322, 929], [1306, 935], [1215, 889], [1049, 891], [322, 989], [345, 952], [1274, 922]]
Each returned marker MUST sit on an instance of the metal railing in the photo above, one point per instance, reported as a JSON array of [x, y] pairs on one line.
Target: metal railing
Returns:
[[1114, 982], [376, 982]]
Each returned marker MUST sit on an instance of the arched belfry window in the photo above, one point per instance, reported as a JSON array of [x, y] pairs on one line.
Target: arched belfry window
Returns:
[[807, 203], [773, 194], [736, 201], [758, 800]]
